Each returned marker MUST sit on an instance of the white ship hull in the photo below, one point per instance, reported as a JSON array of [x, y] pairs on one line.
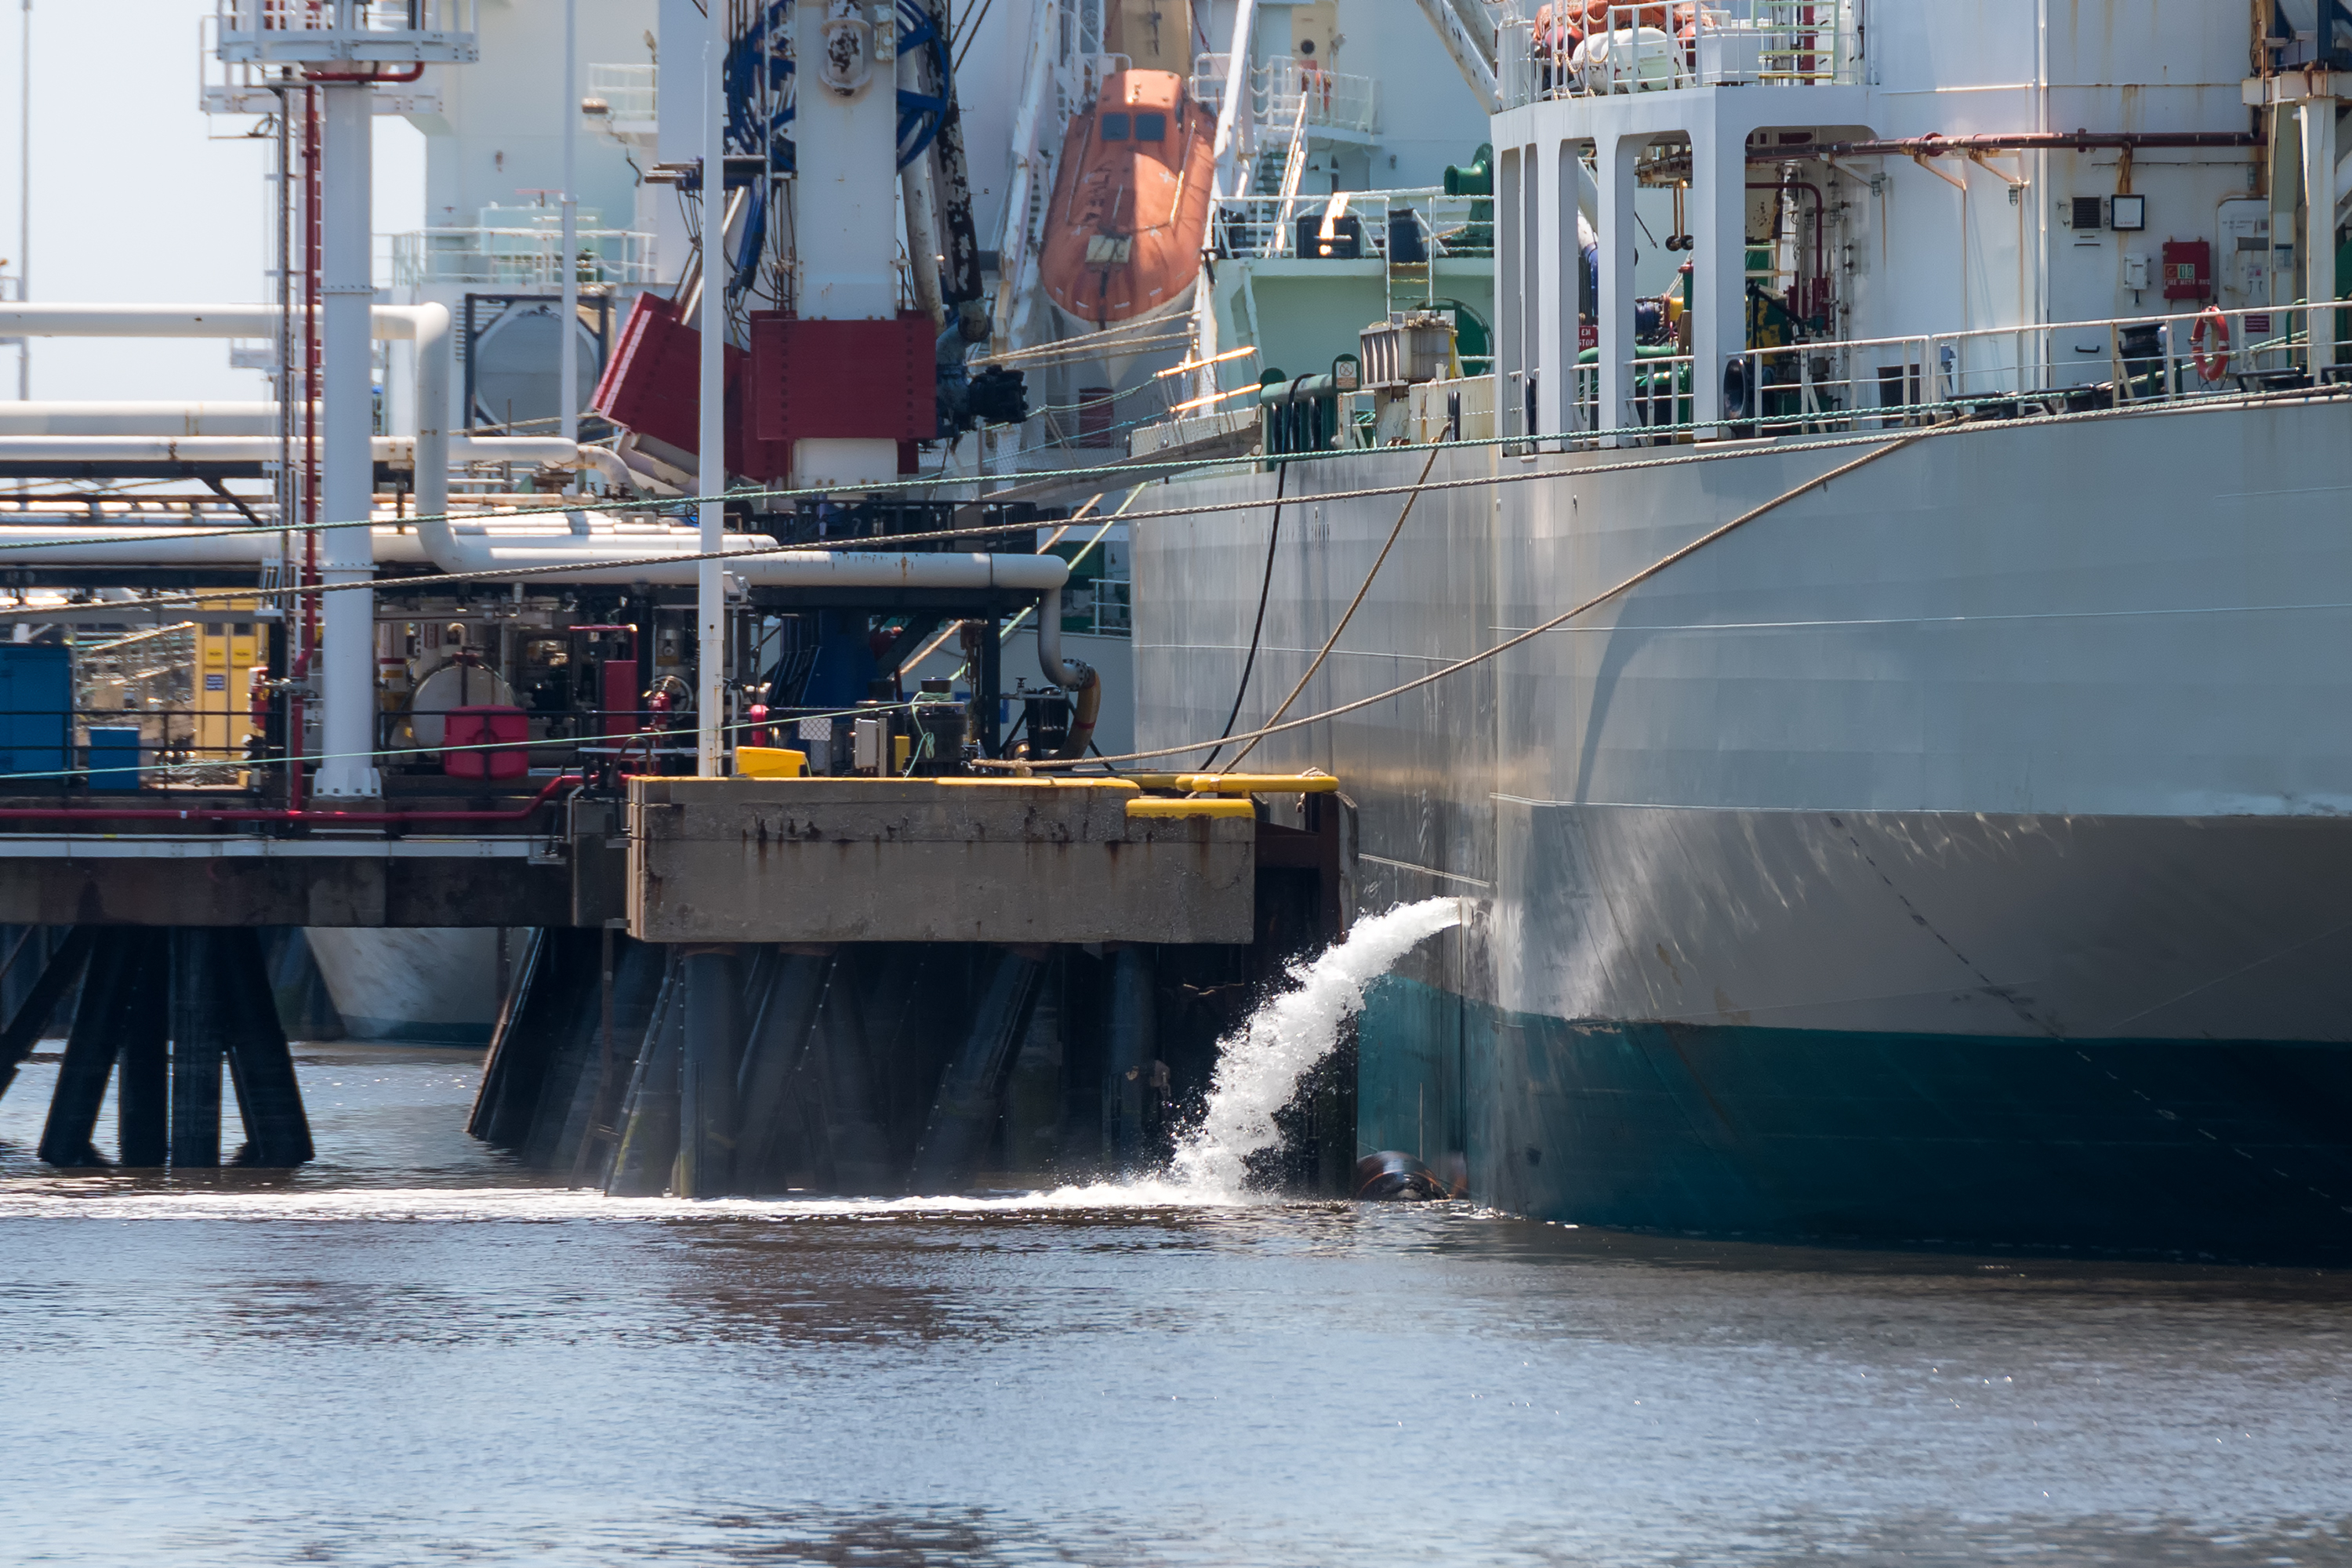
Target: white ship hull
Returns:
[[424, 987], [1975, 824]]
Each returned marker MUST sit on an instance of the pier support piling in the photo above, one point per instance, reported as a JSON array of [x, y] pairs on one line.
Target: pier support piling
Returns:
[[199, 1045], [852, 1152], [775, 1063], [646, 1148], [1130, 1075], [261, 1062], [39, 1000], [117, 986], [142, 1079], [707, 1068], [971, 1088]]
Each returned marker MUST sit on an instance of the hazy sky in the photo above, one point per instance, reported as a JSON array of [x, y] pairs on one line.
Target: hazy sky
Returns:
[[139, 195]]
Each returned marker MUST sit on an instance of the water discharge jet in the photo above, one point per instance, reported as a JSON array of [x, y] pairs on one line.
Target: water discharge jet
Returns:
[[1259, 1069]]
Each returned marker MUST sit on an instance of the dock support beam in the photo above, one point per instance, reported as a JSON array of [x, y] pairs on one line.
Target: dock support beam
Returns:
[[1128, 1075], [260, 1061], [23, 1029], [774, 1058], [647, 1138], [971, 1089], [142, 1084], [199, 1047], [706, 1114], [115, 989]]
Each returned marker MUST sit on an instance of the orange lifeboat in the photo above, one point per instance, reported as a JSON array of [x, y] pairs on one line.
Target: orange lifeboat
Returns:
[[1130, 201]]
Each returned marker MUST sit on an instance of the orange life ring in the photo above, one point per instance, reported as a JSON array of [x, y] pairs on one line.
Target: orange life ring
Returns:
[[2209, 344]]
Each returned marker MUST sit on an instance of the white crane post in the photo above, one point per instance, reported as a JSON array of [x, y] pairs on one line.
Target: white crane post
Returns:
[[347, 290], [845, 195], [710, 580], [569, 374], [1229, 184]]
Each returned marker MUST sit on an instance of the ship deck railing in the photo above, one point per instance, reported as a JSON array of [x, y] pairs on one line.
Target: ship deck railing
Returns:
[[359, 32], [2197, 355], [518, 258], [1338, 105], [1739, 43], [628, 94], [1444, 227]]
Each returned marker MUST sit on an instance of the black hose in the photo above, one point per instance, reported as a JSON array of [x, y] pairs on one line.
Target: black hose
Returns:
[[1272, 538]]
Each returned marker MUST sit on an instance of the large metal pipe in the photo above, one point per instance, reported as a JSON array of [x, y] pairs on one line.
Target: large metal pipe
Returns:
[[711, 622], [397, 451], [36, 543], [346, 486], [138, 418], [427, 326], [601, 549]]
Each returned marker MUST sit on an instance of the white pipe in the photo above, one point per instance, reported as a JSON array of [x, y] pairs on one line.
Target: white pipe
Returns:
[[426, 325], [607, 462], [1237, 84], [347, 480], [63, 544], [1013, 247], [568, 372], [1071, 675], [710, 586], [605, 549], [139, 418], [398, 451], [919, 198]]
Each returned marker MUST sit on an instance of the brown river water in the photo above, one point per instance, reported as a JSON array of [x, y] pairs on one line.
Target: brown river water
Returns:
[[405, 1353]]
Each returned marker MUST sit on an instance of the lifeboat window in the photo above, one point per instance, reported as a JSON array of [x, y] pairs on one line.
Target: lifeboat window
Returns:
[[1113, 127], [1151, 128]]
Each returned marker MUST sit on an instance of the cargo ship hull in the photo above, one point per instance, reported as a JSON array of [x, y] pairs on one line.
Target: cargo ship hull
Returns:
[[1953, 854]]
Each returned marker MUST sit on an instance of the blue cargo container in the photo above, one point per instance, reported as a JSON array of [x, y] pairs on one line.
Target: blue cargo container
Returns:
[[35, 711], [114, 757]]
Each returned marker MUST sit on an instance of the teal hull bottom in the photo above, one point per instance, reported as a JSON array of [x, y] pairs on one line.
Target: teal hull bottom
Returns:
[[2238, 1151]]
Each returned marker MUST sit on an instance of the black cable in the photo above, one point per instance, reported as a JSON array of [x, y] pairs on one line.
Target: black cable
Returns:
[[969, 34], [1272, 538]]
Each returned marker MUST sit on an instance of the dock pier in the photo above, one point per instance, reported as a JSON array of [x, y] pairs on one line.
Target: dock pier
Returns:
[[751, 986]]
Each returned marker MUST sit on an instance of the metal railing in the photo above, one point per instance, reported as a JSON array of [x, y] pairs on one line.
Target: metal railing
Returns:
[[1652, 48], [359, 32], [518, 258], [1282, 86], [1869, 383], [628, 94], [1445, 225]]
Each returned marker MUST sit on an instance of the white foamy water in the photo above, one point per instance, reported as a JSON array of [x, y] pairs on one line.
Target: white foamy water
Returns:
[[46, 1201], [1259, 1070]]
